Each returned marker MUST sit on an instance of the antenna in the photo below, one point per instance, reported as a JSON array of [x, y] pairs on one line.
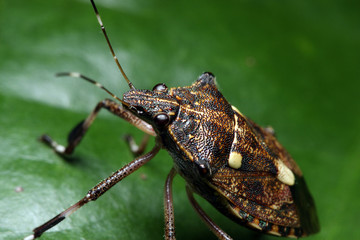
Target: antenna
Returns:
[[131, 86], [78, 75]]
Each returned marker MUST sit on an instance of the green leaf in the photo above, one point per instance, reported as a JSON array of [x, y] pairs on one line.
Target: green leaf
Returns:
[[289, 64]]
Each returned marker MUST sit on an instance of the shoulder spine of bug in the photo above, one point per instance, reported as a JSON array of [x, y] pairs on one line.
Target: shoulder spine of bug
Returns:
[[236, 165]]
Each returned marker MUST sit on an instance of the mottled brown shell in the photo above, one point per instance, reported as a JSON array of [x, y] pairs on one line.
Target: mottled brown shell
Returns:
[[206, 131], [236, 165]]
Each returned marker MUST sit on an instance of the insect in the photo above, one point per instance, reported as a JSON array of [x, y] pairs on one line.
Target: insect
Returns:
[[236, 165]]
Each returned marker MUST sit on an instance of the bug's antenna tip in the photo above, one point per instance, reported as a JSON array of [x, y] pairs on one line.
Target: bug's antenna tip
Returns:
[[68, 74], [30, 237]]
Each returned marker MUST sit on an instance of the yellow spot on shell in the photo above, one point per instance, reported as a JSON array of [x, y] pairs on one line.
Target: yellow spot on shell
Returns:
[[236, 110], [235, 160], [285, 175], [254, 225], [274, 233]]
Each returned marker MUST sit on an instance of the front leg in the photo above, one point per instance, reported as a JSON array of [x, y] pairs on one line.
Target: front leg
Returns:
[[97, 191], [78, 132], [168, 207]]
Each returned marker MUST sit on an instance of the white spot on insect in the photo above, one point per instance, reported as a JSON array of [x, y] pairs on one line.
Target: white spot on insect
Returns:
[[236, 110], [235, 160], [235, 127], [99, 20], [70, 210], [98, 85], [30, 237], [60, 148], [74, 74], [285, 175]]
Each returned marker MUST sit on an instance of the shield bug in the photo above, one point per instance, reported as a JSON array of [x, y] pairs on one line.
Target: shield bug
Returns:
[[236, 165]]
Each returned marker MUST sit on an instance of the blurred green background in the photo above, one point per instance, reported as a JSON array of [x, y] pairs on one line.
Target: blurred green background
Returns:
[[293, 65]]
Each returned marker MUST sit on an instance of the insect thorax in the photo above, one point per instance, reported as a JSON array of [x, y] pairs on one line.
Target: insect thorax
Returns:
[[201, 135]]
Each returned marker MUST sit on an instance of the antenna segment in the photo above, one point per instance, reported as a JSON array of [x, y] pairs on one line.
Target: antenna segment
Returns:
[[131, 86]]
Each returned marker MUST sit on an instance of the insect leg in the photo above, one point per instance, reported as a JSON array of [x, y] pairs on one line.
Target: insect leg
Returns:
[[137, 150], [78, 132], [168, 207], [213, 227], [97, 191]]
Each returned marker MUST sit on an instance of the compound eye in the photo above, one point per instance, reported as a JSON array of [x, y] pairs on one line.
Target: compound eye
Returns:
[[161, 87], [162, 119]]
